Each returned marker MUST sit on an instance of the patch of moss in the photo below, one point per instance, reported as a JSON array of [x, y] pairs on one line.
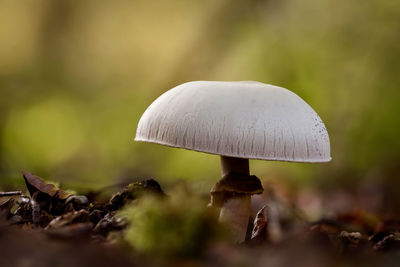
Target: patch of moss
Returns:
[[180, 224]]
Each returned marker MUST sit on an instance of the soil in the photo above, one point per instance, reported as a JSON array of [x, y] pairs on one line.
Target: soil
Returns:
[[51, 227]]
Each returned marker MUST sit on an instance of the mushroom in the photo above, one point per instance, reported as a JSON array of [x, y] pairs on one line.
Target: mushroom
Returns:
[[238, 121]]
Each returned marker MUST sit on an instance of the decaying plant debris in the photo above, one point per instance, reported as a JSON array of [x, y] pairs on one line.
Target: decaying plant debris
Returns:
[[51, 225], [62, 214]]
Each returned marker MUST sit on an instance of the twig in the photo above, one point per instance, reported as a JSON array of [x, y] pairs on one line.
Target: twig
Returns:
[[10, 193]]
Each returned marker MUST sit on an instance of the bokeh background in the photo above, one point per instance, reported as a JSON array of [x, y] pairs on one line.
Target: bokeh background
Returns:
[[75, 77]]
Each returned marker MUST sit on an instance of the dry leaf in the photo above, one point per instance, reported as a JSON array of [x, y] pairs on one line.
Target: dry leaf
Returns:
[[259, 232], [35, 183], [69, 218]]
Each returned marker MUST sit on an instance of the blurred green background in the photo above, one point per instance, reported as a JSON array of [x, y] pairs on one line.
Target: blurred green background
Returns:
[[75, 77]]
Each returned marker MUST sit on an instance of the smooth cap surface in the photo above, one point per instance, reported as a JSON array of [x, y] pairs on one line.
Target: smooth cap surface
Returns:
[[237, 119]]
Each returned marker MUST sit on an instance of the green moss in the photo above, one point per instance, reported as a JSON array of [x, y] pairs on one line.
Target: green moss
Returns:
[[180, 224]]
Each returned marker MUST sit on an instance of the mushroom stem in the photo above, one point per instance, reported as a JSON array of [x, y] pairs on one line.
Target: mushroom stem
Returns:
[[236, 211], [238, 165]]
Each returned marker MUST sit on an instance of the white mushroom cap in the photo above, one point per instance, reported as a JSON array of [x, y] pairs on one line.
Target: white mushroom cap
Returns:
[[237, 119]]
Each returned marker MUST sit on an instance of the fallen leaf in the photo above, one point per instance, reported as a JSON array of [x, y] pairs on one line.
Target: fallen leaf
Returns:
[[35, 183], [69, 218], [259, 232], [390, 242], [133, 191], [109, 223]]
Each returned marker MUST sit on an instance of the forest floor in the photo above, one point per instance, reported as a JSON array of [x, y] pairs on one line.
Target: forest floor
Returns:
[[52, 227]]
